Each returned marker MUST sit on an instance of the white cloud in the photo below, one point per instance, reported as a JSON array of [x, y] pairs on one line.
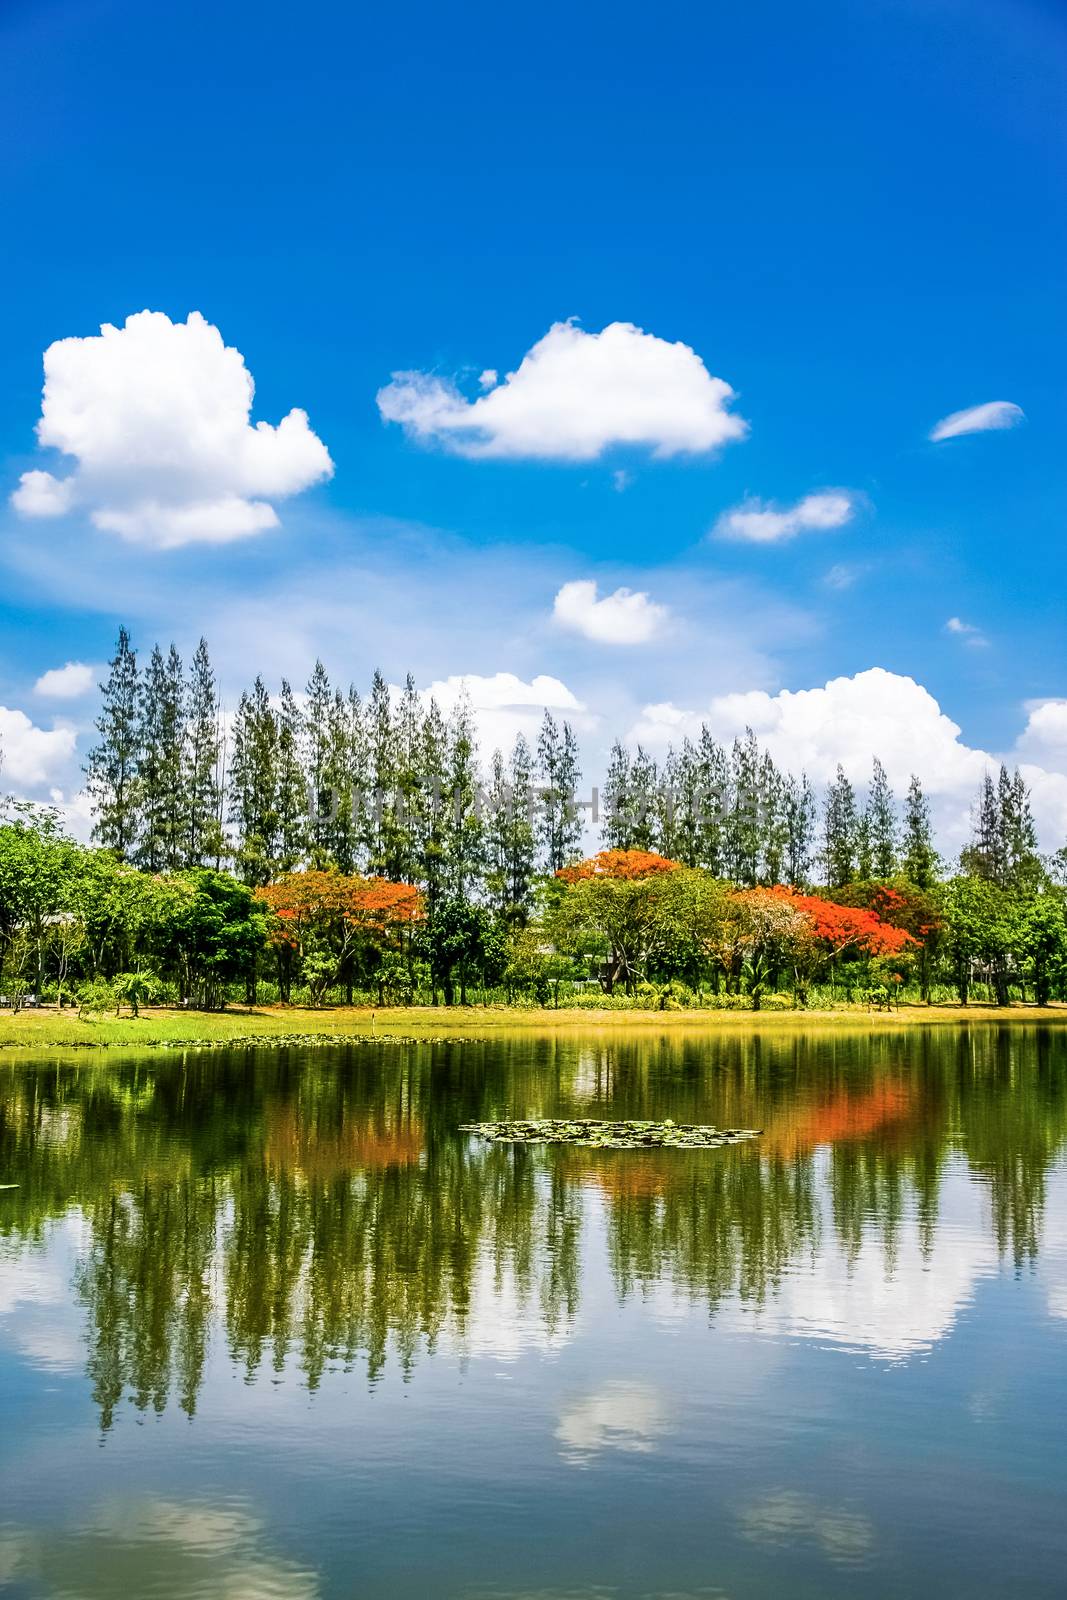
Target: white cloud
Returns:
[[763, 522], [1046, 730], [623, 617], [574, 395], [156, 417], [66, 683], [504, 706], [31, 755], [851, 720], [842, 575], [994, 414], [966, 631], [39, 494]]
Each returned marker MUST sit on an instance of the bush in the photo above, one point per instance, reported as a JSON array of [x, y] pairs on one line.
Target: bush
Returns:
[[94, 997]]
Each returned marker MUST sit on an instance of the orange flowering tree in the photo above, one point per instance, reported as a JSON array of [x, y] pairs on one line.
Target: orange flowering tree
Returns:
[[904, 905], [839, 930], [335, 926], [625, 865]]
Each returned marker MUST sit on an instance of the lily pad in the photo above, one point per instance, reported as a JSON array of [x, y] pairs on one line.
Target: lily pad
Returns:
[[609, 1135]]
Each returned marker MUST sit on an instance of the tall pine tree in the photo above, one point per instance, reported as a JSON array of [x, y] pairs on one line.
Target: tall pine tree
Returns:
[[202, 778], [918, 858], [114, 762]]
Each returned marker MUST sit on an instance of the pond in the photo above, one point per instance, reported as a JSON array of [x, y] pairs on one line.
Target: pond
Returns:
[[273, 1328]]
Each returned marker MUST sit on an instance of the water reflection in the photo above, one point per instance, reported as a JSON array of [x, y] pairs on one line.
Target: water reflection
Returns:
[[144, 1546], [320, 1209], [620, 1416]]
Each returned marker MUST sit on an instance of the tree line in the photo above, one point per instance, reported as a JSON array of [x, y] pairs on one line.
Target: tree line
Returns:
[[388, 786], [328, 843]]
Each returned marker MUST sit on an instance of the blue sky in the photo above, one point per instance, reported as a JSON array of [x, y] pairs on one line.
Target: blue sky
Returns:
[[853, 215]]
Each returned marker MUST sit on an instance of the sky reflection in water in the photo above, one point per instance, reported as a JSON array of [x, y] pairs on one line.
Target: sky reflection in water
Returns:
[[269, 1326]]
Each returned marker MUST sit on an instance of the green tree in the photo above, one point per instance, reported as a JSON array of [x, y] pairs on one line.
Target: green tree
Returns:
[[839, 832], [1042, 937], [292, 788], [202, 779], [559, 823], [208, 930], [112, 769], [918, 858], [253, 788], [880, 816], [160, 846], [462, 943], [799, 810]]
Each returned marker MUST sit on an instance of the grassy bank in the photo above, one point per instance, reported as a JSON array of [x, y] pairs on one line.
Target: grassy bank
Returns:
[[162, 1026]]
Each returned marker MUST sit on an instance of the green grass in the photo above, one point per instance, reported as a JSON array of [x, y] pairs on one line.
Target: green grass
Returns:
[[46, 1028]]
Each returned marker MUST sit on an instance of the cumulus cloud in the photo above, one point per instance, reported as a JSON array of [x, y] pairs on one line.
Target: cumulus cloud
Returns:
[[66, 683], [574, 395], [155, 416], [1046, 725], [623, 617], [763, 522], [31, 755], [851, 720], [994, 414], [503, 705]]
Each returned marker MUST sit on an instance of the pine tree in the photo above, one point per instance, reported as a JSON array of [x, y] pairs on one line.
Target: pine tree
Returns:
[[463, 820], [382, 842], [520, 843], [641, 801], [201, 779], [340, 831], [560, 827], [407, 780], [880, 820], [113, 763], [1022, 867], [799, 811], [683, 775], [292, 786], [253, 785], [318, 704], [864, 862], [714, 806], [774, 826], [431, 819], [744, 823], [919, 860], [615, 830], [668, 834], [839, 832], [985, 856], [161, 763]]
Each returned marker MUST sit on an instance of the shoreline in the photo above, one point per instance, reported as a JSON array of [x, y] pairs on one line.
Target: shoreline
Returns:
[[164, 1027]]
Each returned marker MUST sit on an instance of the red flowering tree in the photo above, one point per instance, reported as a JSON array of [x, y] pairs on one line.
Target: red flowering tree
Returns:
[[334, 925], [838, 930], [621, 864]]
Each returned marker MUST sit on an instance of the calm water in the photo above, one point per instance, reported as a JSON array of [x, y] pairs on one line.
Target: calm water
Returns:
[[272, 1329]]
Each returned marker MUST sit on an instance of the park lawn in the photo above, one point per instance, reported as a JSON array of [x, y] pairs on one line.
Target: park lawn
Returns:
[[163, 1026]]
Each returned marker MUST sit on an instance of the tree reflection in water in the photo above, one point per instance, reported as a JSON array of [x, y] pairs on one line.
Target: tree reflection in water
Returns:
[[322, 1207]]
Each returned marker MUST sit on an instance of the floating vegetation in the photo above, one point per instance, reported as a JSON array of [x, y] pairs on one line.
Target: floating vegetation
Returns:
[[609, 1135], [244, 1041]]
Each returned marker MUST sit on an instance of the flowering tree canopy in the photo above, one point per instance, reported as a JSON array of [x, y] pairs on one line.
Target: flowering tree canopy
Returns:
[[843, 928], [626, 864], [303, 900]]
